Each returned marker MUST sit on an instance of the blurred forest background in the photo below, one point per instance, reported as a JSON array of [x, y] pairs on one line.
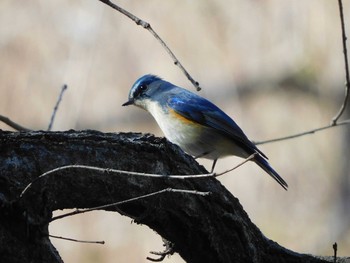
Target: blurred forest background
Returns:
[[275, 66]]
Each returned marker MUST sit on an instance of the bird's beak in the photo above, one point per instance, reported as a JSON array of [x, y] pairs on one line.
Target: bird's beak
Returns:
[[129, 102]]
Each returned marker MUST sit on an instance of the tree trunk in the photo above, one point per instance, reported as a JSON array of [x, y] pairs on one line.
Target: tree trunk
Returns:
[[212, 228]]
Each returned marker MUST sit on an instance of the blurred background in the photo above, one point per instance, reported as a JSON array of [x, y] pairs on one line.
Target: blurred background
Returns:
[[276, 67]]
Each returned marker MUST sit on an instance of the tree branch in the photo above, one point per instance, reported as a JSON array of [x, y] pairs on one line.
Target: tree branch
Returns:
[[293, 136], [147, 26], [169, 190], [13, 124], [63, 89], [346, 64], [212, 228]]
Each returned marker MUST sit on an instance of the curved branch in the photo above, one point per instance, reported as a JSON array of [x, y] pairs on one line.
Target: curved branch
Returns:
[[147, 26], [346, 65], [13, 124], [212, 228], [332, 125]]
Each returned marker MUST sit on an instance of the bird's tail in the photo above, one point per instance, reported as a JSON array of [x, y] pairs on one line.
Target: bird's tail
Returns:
[[261, 161]]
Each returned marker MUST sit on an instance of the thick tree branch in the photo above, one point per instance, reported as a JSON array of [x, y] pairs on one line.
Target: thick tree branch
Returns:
[[212, 228]]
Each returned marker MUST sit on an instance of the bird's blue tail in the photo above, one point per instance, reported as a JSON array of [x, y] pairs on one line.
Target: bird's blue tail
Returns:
[[261, 161]]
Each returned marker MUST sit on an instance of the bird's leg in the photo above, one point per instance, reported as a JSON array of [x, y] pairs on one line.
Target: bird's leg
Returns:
[[214, 163], [204, 154]]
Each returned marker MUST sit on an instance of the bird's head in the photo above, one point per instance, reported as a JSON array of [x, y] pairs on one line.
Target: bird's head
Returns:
[[145, 90]]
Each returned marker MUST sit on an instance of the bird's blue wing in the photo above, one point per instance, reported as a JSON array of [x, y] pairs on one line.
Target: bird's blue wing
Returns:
[[202, 111]]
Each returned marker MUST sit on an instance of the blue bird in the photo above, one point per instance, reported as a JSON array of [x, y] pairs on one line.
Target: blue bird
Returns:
[[195, 124]]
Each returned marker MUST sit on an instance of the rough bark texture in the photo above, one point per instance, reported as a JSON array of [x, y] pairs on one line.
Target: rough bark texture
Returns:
[[212, 228]]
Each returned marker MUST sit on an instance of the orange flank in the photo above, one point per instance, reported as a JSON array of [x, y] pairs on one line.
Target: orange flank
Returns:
[[181, 118]]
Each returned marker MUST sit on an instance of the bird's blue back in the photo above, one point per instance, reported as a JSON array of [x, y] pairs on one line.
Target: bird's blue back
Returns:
[[198, 109]]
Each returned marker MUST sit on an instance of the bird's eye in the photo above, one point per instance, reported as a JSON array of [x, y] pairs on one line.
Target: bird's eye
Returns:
[[140, 90], [143, 87]]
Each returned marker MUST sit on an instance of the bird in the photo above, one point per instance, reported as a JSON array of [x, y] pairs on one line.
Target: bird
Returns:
[[196, 125]]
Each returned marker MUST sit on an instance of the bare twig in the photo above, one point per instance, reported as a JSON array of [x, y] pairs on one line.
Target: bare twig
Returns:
[[79, 241], [346, 122], [238, 165], [12, 124], [147, 26], [108, 170], [81, 211], [18, 127], [347, 84], [169, 250], [64, 87], [160, 254]]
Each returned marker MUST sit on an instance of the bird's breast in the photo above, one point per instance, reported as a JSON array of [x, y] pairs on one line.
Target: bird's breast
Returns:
[[178, 129], [192, 137], [175, 127]]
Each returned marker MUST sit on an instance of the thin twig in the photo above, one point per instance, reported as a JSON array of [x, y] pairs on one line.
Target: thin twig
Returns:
[[238, 165], [64, 87], [335, 248], [347, 75], [304, 133], [12, 124], [147, 26], [81, 211], [108, 170], [169, 250], [79, 241]]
